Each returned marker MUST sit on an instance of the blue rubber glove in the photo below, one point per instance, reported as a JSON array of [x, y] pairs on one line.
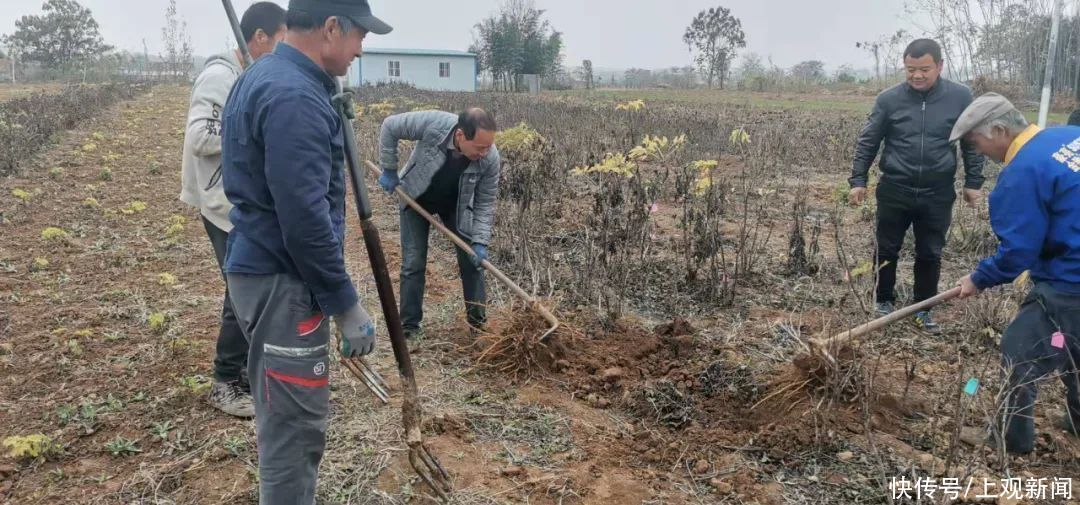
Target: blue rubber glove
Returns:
[[481, 254], [389, 180]]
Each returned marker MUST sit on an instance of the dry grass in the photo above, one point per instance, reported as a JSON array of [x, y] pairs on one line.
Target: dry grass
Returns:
[[612, 412]]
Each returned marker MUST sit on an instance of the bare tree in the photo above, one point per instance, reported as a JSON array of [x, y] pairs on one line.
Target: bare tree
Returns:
[[715, 34], [887, 48], [179, 55]]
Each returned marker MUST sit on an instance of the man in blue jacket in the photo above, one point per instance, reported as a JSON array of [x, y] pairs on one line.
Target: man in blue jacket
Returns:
[[283, 170], [1035, 212], [918, 167], [453, 173]]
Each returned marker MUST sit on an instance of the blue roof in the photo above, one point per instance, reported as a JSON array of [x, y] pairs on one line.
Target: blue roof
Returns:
[[419, 52]]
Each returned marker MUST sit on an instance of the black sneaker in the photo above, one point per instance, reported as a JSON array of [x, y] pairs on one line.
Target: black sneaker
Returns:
[[230, 398], [926, 323], [884, 308], [413, 333]]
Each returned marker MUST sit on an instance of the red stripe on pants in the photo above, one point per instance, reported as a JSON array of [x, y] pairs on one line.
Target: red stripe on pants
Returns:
[[300, 381]]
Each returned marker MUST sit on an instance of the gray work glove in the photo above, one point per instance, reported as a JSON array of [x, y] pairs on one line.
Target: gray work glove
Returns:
[[357, 332]]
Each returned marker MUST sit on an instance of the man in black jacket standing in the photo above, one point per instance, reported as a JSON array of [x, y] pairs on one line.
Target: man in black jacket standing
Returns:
[[918, 168]]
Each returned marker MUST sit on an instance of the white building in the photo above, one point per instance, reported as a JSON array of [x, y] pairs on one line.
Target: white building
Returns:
[[431, 69]]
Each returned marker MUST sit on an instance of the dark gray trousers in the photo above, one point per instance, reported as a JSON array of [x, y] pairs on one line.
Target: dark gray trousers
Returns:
[[414, 249], [288, 363], [1028, 357], [232, 347]]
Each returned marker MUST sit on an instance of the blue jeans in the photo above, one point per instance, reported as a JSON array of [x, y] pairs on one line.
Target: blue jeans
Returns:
[[414, 248], [1028, 357]]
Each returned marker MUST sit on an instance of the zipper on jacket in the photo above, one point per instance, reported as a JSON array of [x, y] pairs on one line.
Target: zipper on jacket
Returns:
[[922, 144]]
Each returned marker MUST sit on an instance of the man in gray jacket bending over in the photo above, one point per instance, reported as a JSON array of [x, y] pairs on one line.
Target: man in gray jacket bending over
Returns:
[[453, 173], [263, 25]]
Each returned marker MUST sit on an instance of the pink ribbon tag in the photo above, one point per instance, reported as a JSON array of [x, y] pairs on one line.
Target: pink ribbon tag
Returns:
[[1057, 340], [654, 209]]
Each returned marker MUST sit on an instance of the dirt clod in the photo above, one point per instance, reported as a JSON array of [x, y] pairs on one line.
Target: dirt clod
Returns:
[[612, 375], [720, 486], [701, 467], [512, 471], [676, 328]]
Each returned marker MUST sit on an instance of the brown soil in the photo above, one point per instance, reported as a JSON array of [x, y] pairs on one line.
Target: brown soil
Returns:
[[705, 410]]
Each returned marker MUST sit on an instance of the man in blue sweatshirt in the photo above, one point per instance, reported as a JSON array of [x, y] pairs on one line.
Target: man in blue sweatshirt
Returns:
[[283, 170], [1035, 212]]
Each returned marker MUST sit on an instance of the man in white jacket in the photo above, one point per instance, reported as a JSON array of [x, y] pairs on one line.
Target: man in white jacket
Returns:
[[263, 26]]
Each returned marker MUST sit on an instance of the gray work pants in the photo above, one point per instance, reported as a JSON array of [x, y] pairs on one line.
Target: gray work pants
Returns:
[[288, 364]]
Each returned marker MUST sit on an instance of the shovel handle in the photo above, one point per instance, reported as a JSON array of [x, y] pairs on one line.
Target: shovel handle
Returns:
[[533, 302], [886, 320]]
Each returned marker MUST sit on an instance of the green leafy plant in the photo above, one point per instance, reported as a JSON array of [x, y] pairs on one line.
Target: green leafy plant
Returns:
[[161, 430], [197, 384], [74, 348], [39, 264], [158, 321], [53, 234], [121, 446], [66, 414], [88, 414], [236, 445], [133, 208]]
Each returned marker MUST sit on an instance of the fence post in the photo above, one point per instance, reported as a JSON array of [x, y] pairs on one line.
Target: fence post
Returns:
[[1048, 77]]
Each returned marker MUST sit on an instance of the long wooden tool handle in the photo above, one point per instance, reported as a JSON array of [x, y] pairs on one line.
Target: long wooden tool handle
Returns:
[[544, 312], [884, 321], [234, 23]]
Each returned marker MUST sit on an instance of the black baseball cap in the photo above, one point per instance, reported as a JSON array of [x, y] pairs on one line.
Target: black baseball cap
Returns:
[[358, 11]]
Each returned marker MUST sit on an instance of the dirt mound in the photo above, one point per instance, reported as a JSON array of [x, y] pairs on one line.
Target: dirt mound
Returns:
[[676, 328]]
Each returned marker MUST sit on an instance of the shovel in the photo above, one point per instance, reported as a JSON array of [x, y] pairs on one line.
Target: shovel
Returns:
[[420, 457], [529, 299], [823, 347]]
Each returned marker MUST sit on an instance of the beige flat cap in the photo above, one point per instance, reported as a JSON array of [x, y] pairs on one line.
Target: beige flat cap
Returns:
[[985, 108]]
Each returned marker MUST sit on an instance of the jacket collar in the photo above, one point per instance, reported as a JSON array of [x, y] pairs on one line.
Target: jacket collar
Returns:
[[308, 66], [933, 91], [1019, 142]]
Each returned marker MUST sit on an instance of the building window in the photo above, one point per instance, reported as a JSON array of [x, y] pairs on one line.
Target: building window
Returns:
[[393, 68], [444, 69]]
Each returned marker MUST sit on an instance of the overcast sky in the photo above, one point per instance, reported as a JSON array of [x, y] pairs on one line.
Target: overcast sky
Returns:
[[613, 33]]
